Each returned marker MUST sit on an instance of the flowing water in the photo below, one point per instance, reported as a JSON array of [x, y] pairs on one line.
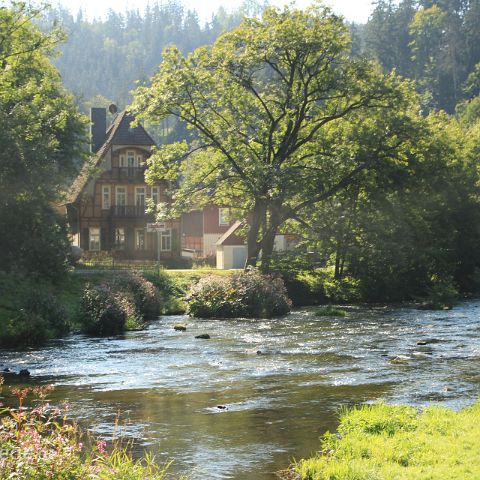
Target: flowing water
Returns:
[[280, 382]]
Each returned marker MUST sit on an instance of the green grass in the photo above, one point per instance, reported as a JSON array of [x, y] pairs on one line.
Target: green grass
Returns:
[[382, 442], [330, 311]]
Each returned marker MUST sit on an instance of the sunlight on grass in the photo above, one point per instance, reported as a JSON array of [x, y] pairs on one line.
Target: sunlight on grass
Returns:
[[399, 442]]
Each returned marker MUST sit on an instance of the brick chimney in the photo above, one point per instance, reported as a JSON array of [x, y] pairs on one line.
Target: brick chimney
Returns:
[[98, 128]]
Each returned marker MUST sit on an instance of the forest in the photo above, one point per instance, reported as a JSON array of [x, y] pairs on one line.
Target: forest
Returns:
[[408, 228]]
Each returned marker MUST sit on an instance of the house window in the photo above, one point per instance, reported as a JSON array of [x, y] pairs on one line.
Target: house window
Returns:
[[94, 239], [223, 214], [166, 241], [132, 161], [121, 196], [122, 161], [140, 196], [155, 195], [140, 161], [139, 239], [106, 197], [120, 238]]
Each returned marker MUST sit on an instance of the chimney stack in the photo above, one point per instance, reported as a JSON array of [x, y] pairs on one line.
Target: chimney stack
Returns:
[[98, 127]]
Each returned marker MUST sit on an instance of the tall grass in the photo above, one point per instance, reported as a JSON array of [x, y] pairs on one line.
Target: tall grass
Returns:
[[380, 442]]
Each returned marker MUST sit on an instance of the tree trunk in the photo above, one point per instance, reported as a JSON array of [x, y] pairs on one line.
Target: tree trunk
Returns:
[[268, 240], [253, 247]]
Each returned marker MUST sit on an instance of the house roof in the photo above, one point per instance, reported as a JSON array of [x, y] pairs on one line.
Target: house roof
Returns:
[[229, 237], [118, 133]]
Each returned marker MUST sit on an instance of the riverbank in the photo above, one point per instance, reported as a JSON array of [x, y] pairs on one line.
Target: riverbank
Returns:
[[32, 311], [387, 441]]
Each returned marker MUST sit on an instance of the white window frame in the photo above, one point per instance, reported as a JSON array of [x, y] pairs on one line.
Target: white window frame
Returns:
[[221, 217], [131, 155], [120, 234], [94, 232], [155, 193], [144, 246], [167, 236], [106, 197], [117, 189], [144, 196], [122, 161], [140, 161]]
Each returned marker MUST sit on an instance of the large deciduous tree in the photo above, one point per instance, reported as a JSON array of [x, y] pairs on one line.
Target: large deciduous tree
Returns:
[[283, 116], [40, 137]]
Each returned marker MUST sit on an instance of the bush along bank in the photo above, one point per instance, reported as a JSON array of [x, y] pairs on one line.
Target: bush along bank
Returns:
[[247, 294], [307, 285], [34, 310], [40, 442], [122, 303], [385, 442]]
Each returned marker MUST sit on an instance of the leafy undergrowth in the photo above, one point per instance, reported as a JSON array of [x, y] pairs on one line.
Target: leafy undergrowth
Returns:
[[380, 442], [330, 311], [41, 443]]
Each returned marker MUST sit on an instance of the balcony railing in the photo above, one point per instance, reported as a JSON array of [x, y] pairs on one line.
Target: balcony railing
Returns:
[[129, 173], [128, 211]]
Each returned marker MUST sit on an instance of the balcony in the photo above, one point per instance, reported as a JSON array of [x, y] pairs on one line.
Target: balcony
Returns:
[[129, 173], [129, 211]]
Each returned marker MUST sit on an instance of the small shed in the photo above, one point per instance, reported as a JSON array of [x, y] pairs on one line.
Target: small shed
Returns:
[[231, 249]]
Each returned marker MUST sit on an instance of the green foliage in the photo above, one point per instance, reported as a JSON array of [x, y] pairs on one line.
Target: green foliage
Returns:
[[41, 442], [343, 290], [145, 295], [330, 311], [30, 314], [435, 43], [247, 294], [441, 293], [133, 39], [284, 118], [40, 138], [384, 441], [104, 310]]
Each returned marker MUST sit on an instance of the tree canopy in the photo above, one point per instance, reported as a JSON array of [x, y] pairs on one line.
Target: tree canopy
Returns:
[[284, 118], [40, 138]]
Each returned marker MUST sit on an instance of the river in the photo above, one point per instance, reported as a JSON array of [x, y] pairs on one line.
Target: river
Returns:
[[163, 388]]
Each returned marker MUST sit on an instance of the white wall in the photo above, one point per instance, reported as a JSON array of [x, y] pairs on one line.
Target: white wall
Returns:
[[209, 241]]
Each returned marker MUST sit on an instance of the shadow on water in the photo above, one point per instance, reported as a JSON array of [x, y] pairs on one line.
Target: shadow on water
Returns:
[[258, 393]]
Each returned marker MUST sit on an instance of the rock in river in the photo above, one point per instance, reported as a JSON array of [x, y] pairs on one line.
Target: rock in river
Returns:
[[180, 328], [204, 336]]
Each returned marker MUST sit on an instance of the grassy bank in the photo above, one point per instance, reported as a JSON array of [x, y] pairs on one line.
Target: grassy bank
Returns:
[[34, 310], [380, 442]]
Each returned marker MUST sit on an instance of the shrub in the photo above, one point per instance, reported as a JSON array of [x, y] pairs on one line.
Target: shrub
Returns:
[[442, 293], [144, 294], [33, 316], [104, 310], [46, 306], [330, 311], [247, 294], [342, 290]]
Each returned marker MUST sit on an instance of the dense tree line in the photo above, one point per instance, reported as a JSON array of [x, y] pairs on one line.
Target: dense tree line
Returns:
[[107, 57], [436, 43]]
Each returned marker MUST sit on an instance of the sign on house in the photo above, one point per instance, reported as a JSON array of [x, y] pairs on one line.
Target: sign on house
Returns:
[[156, 227]]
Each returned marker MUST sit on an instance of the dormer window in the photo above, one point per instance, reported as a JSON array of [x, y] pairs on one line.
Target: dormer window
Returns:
[[130, 160]]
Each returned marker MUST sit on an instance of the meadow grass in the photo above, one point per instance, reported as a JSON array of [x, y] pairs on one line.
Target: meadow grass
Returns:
[[385, 442]]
